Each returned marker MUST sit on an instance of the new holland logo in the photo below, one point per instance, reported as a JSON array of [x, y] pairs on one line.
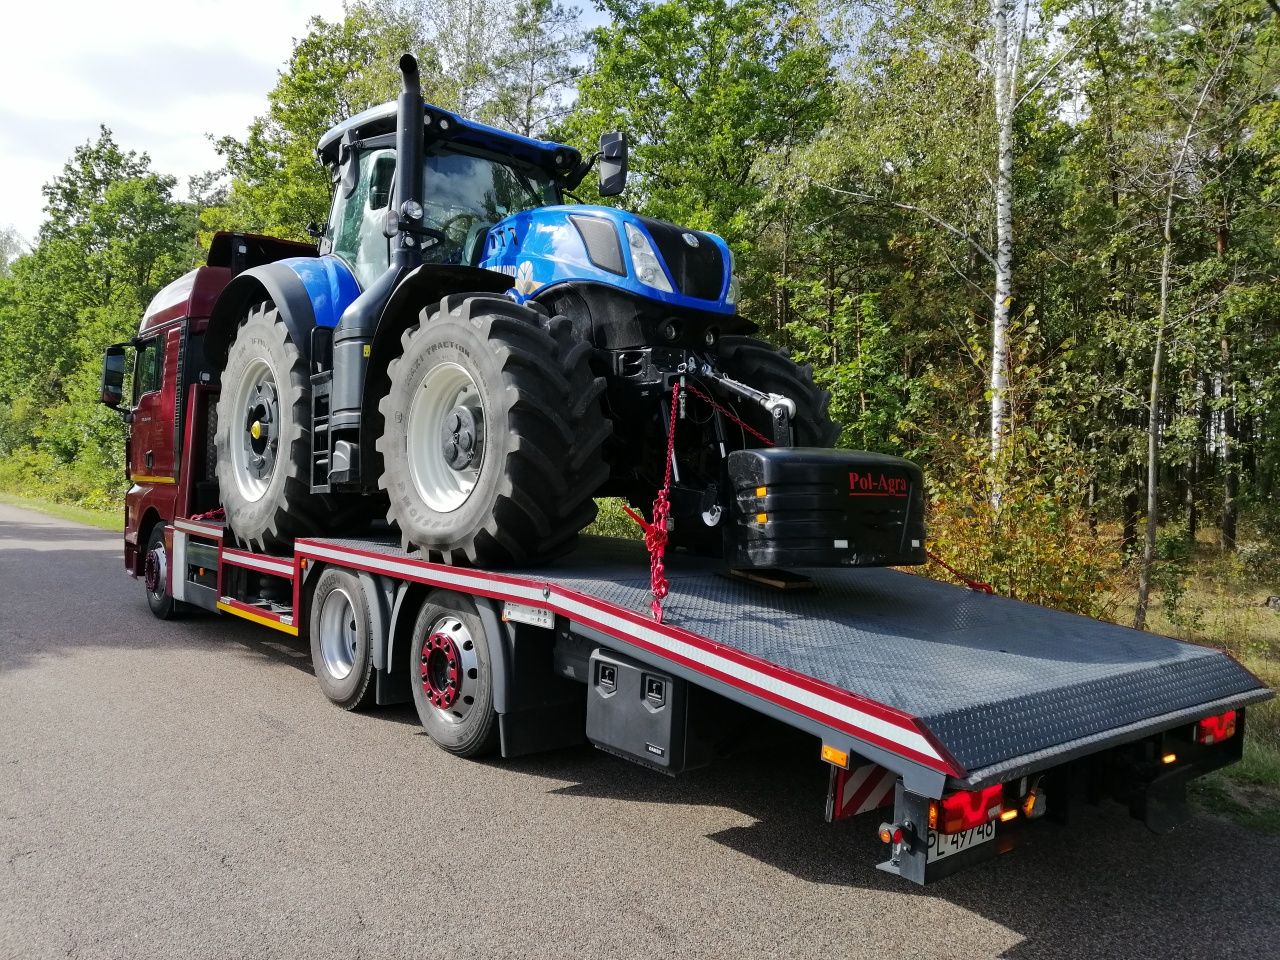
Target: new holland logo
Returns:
[[876, 485], [525, 284], [691, 239]]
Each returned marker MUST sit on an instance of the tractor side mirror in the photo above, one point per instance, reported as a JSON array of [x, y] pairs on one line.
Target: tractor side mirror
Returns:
[[113, 368], [613, 163]]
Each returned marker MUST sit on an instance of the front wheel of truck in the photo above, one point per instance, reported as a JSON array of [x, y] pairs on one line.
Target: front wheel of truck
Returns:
[[155, 575]]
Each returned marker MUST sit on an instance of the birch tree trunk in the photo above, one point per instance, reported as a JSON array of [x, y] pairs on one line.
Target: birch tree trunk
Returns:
[[1153, 412], [1004, 71], [1157, 365]]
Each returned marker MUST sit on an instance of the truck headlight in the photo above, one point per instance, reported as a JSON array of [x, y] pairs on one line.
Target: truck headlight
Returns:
[[648, 267]]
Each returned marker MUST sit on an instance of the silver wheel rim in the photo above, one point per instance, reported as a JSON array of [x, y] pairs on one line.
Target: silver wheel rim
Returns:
[[468, 669], [338, 635], [256, 407], [445, 437]]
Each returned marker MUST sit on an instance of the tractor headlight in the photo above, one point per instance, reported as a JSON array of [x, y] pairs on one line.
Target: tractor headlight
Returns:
[[731, 295], [648, 267]]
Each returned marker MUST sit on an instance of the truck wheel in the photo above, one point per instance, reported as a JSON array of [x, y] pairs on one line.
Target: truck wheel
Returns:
[[342, 640], [488, 457], [155, 575], [452, 676], [767, 368], [263, 438]]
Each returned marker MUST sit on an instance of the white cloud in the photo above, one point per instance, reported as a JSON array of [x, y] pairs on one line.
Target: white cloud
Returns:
[[162, 74]]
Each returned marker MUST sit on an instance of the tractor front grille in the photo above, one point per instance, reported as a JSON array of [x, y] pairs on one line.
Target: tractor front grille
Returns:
[[697, 271]]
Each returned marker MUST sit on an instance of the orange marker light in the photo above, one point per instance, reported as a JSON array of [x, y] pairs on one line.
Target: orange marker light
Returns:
[[1169, 758], [761, 491], [839, 758], [1008, 815], [762, 518]]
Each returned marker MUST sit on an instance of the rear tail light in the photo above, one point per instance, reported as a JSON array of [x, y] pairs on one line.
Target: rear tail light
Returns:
[[1215, 729], [966, 809]]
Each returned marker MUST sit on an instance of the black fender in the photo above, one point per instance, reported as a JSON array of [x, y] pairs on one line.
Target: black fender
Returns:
[[271, 281], [422, 287], [408, 603]]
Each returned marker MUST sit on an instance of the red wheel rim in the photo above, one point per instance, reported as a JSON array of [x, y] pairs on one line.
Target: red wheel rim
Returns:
[[441, 671]]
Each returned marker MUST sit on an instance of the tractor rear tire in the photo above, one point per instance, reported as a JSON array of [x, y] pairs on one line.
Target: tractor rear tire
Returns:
[[492, 433], [263, 439], [765, 367]]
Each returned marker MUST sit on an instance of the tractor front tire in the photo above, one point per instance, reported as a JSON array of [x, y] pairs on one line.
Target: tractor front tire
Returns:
[[491, 434], [765, 367], [263, 439]]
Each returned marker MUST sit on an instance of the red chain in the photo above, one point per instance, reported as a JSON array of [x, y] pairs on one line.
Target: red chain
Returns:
[[215, 514], [655, 533], [728, 413], [981, 586]]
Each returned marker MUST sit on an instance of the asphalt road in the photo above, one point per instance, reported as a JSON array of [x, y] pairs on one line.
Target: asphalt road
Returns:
[[184, 790]]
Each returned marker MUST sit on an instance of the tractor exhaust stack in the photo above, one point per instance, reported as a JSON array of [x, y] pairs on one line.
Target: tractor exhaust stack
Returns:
[[408, 191]]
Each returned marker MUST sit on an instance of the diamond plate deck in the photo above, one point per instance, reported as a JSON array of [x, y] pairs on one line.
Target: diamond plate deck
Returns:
[[993, 679]]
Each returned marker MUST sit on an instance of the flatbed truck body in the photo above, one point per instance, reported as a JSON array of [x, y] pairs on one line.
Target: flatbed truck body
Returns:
[[958, 718], [917, 691]]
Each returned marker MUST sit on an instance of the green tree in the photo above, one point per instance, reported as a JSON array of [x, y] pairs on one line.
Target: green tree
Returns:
[[337, 69], [113, 235], [537, 68], [706, 90]]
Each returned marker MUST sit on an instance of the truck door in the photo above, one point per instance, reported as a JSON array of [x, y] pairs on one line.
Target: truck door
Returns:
[[151, 432]]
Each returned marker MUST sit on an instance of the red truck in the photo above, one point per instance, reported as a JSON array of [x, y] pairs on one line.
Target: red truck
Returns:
[[953, 720]]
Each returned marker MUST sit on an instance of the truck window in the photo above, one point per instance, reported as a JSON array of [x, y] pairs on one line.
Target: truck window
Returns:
[[148, 366]]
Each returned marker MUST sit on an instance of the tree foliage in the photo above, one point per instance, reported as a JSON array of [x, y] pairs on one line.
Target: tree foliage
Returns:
[[849, 153]]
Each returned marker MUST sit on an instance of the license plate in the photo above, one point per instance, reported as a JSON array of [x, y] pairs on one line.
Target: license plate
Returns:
[[943, 845]]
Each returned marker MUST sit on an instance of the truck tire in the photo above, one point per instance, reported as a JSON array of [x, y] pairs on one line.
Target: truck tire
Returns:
[[263, 438], [451, 673], [767, 368], [341, 632], [489, 458], [155, 575]]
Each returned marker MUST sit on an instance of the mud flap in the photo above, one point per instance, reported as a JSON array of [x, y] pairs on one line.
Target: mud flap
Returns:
[[1162, 806]]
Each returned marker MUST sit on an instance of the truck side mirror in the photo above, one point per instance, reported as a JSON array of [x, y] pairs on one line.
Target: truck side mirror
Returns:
[[613, 163], [113, 367]]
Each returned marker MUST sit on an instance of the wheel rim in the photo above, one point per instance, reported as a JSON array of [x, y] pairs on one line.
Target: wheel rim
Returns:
[[339, 637], [449, 669], [155, 571], [445, 437], [254, 451]]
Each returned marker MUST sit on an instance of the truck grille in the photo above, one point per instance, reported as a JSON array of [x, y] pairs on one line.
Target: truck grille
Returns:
[[697, 271]]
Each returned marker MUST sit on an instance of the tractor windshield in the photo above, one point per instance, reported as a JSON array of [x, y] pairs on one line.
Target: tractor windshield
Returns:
[[465, 194]]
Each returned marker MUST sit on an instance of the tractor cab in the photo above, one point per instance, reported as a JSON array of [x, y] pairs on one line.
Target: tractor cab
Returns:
[[470, 187]]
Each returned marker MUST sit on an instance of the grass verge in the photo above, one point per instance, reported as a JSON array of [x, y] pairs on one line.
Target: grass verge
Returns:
[[102, 519]]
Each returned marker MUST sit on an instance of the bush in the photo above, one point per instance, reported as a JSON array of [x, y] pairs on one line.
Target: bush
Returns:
[[1023, 526]]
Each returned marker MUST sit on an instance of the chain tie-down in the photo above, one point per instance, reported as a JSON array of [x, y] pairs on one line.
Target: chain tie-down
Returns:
[[655, 532]]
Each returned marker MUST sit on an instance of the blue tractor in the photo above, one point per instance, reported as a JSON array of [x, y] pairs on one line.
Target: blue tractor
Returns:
[[478, 359]]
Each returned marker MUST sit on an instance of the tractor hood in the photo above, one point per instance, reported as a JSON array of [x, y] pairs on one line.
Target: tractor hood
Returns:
[[548, 246]]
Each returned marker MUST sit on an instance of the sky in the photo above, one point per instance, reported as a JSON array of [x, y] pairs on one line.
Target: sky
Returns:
[[162, 74]]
